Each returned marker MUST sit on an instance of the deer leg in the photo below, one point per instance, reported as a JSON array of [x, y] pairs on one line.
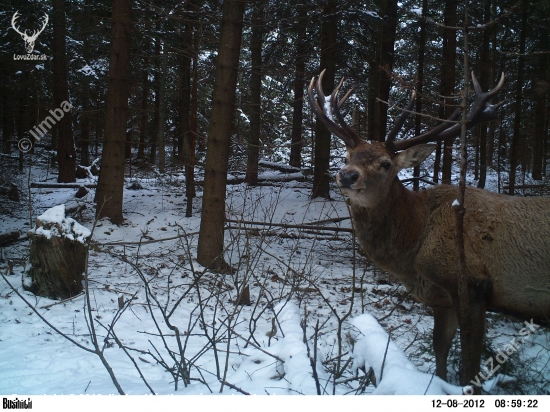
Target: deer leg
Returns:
[[472, 345], [445, 324]]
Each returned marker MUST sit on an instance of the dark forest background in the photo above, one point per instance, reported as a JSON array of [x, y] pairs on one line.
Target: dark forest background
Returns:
[[165, 57]]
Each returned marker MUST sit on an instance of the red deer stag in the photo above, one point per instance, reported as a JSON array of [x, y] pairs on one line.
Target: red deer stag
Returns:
[[410, 234]]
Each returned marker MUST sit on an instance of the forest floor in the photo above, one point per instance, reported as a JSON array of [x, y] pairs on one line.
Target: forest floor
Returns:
[[181, 329]]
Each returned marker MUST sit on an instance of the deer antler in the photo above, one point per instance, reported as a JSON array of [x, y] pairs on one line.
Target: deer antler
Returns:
[[45, 19], [481, 111], [35, 33], [32, 38], [344, 132], [13, 20], [400, 121]]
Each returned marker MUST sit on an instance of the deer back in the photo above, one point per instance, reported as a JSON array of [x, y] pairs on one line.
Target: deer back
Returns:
[[506, 243]]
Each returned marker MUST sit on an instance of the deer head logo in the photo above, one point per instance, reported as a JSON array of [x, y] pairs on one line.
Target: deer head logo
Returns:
[[29, 39]]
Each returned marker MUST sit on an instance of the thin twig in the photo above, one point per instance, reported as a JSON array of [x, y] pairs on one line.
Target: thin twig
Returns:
[[223, 382], [44, 319], [384, 360], [313, 360], [62, 301]]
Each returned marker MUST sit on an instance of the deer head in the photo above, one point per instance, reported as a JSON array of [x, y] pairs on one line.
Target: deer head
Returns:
[[371, 168], [29, 39]]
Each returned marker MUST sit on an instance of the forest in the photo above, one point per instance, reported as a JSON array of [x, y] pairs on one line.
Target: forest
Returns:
[[217, 249]]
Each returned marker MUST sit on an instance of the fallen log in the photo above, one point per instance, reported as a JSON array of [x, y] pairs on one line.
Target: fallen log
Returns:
[[45, 185], [281, 167], [266, 177], [291, 226]]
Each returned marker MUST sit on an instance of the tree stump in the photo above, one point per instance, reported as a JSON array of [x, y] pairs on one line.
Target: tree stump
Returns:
[[57, 259]]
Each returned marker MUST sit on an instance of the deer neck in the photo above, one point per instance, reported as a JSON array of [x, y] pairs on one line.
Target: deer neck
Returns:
[[390, 230]]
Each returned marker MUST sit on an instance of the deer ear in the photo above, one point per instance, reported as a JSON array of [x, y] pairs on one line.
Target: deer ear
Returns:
[[413, 156]]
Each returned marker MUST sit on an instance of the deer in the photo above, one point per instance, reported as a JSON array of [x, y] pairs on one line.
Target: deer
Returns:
[[29, 39], [411, 234]]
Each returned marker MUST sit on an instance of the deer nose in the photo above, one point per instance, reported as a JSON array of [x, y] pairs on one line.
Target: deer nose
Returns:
[[346, 179]]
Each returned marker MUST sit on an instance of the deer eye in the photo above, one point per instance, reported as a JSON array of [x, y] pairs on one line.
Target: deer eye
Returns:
[[386, 164]]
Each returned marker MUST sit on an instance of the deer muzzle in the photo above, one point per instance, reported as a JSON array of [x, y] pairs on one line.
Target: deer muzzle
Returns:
[[347, 179]]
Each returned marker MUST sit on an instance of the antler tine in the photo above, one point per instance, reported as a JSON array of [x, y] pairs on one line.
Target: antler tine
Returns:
[[400, 122], [335, 107], [46, 20], [336, 91], [481, 111], [477, 87], [13, 22], [318, 106], [348, 135], [431, 135], [490, 93], [35, 33]]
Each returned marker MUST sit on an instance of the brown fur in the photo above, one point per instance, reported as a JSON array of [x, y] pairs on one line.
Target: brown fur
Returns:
[[507, 244]]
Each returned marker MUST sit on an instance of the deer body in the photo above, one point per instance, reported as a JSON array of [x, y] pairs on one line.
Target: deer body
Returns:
[[507, 242], [412, 235]]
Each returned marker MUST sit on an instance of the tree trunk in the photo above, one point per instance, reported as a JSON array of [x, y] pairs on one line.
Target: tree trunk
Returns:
[[298, 104], [385, 67], [255, 93], [85, 124], [143, 108], [516, 142], [191, 137], [66, 156], [185, 91], [448, 82], [419, 86], [162, 108], [321, 178], [484, 82], [8, 113], [84, 141], [541, 91], [109, 195], [22, 120], [156, 87], [211, 236], [57, 256]]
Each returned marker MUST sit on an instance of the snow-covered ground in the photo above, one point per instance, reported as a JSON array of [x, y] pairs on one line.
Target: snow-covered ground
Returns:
[[318, 311]]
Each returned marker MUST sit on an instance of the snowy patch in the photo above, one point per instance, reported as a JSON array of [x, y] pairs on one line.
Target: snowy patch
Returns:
[[53, 222], [394, 372]]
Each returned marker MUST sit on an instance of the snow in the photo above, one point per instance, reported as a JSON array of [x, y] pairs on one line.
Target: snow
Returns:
[[296, 278], [280, 166], [54, 223], [87, 70], [328, 110], [395, 374], [296, 368]]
